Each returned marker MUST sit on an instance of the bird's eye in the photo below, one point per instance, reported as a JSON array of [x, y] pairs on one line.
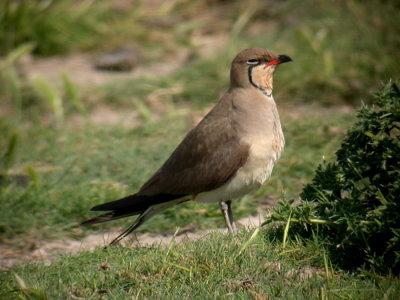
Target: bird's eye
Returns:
[[253, 61]]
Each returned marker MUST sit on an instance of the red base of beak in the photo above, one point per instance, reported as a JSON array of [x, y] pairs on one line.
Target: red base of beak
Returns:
[[272, 62]]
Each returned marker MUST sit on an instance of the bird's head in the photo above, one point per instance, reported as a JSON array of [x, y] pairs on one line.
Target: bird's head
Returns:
[[255, 67]]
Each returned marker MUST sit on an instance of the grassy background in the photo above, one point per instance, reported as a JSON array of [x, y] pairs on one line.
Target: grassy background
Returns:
[[211, 268], [80, 167], [64, 162]]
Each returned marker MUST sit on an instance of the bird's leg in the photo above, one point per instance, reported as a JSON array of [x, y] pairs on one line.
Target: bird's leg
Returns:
[[230, 214], [227, 212]]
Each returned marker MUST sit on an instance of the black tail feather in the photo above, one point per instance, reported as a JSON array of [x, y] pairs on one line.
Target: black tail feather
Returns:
[[139, 221], [129, 206], [115, 215], [146, 206], [150, 212], [136, 202], [124, 203]]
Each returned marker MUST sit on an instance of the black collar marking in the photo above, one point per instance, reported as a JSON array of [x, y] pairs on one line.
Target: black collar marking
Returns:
[[250, 70]]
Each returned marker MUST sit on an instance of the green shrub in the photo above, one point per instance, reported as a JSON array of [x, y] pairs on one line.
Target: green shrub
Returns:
[[353, 204]]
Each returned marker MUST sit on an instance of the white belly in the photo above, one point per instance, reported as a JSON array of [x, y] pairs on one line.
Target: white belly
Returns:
[[249, 177], [267, 144]]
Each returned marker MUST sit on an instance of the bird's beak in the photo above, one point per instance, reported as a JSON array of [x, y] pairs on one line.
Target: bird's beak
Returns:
[[283, 58]]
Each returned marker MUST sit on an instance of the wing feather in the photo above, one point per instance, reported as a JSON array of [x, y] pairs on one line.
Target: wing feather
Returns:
[[209, 155]]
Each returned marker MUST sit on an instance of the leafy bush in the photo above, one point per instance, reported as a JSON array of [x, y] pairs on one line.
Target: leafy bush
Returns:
[[353, 204]]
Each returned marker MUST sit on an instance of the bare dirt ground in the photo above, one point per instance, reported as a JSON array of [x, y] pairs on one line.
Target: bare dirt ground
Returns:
[[46, 251], [80, 68]]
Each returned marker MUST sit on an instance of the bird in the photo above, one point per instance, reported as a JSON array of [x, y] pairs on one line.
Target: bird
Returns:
[[230, 153]]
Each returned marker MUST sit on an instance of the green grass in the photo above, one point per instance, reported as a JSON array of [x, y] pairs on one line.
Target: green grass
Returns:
[[205, 269], [54, 27], [57, 170], [342, 50], [81, 167]]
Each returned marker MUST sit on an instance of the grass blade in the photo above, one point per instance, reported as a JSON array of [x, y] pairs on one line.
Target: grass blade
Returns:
[[72, 93], [248, 242], [143, 110], [48, 93], [329, 272], [34, 177], [179, 267], [9, 155], [20, 281], [15, 55], [172, 242], [285, 233]]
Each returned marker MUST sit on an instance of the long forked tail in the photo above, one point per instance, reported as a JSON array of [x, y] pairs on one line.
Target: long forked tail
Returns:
[[111, 216], [150, 212], [144, 206], [129, 206], [139, 221]]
